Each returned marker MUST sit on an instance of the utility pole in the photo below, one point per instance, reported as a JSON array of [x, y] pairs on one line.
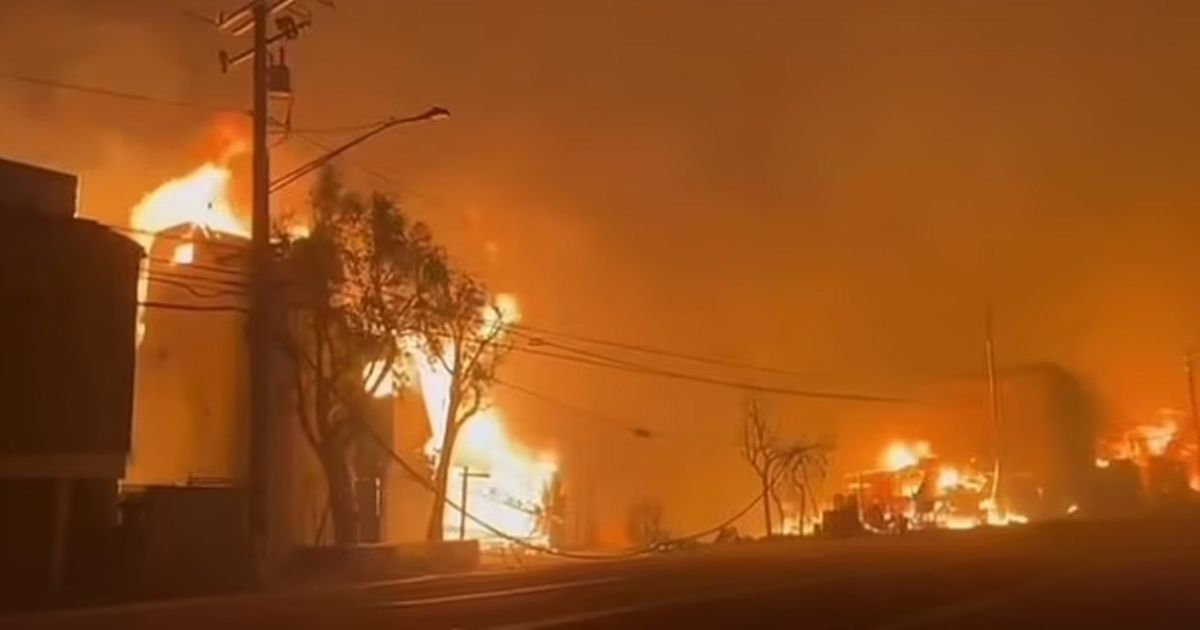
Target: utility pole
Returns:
[[270, 79], [260, 300], [467, 476], [994, 400], [1189, 365]]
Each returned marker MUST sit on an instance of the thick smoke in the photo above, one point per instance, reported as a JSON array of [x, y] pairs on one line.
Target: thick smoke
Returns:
[[838, 188]]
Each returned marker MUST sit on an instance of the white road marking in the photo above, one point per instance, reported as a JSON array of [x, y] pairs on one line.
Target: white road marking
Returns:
[[508, 592]]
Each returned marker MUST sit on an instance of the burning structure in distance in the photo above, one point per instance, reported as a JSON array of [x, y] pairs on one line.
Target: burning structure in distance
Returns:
[[1054, 460]]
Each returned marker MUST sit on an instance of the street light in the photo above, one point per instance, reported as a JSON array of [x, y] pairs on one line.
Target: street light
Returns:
[[277, 184]]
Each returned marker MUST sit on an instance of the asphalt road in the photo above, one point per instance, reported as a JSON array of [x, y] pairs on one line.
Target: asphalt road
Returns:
[[1130, 575]]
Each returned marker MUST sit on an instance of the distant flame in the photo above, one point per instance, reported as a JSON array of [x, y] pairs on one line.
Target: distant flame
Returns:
[[1142, 442], [1140, 445], [955, 497], [901, 455]]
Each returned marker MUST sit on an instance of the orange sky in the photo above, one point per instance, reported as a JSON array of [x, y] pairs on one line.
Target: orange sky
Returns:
[[831, 186]]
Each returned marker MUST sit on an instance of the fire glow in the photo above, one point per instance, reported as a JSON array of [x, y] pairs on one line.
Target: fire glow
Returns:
[[508, 494], [925, 492], [1144, 444]]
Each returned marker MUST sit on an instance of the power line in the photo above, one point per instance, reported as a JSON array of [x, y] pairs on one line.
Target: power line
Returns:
[[331, 130], [740, 385], [118, 94], [200, 308], [207, 280], [228, 271], [520, 542], [198, 292], [398, 187], [538, 341], [645, 349], [599, 360], [433, 113], [635, 368], [240, 246], [588, 357], [608, 422]]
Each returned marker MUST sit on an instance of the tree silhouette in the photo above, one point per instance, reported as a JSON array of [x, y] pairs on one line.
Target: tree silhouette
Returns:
[[355, 286]]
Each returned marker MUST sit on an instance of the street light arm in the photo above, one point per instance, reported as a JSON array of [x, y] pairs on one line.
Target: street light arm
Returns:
[[433, 113]]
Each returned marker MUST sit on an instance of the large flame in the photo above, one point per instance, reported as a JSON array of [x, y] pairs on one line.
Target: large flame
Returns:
[[199, 199], [506, 483]]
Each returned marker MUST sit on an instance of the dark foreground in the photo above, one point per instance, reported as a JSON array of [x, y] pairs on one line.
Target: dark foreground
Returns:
[[1129, 575]]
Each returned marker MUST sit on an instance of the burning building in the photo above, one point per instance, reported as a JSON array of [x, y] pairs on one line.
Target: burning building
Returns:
[[191, 411], [1035, 463], [1147, 465]]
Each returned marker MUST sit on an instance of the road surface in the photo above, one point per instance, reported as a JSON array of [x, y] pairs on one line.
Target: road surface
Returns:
[[1132, 575]]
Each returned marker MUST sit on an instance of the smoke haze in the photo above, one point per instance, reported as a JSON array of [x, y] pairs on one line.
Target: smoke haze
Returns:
[[837, 188]]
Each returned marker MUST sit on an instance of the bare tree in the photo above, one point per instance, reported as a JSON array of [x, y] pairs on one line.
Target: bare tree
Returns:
[[467, 342], [357, 284], [796, 466], [759, 437]]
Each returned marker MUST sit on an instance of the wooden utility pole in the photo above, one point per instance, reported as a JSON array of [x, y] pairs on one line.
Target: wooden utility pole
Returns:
[[994, 406], [260, 300], [1189, 365], [467, 476], [269, 78]]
